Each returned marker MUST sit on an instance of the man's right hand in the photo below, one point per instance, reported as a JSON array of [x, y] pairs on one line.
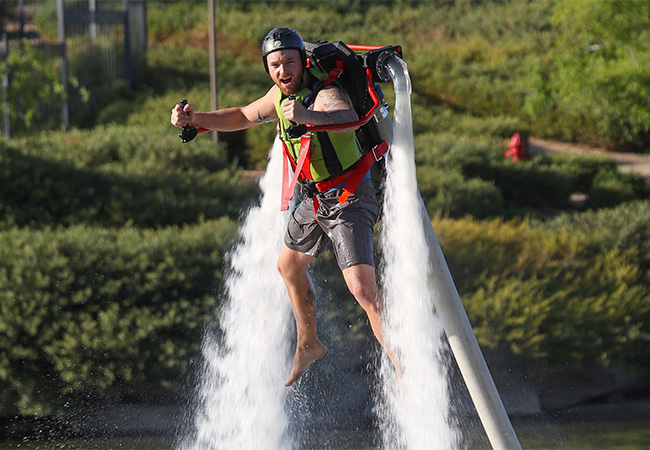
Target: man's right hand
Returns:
[[182, 116]]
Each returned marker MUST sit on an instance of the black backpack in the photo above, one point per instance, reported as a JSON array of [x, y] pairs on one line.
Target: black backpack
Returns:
[[354, 80]]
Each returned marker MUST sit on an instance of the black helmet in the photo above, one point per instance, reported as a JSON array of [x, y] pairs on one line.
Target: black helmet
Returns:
[[282, 38]]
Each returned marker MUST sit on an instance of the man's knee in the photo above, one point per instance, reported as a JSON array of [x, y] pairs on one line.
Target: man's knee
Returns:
[[366, 293], [368, 298], [292, 264], [362, 285], [285, 268]]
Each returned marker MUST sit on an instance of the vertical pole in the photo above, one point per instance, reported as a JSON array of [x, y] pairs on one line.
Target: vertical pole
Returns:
[[21, 18], [65, 108], [92, 26], [128, 59], [138, 25], [465, 348], [6, 119], [212, 37]]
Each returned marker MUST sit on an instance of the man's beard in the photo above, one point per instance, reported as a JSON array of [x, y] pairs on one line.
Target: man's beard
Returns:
[[294, 87]]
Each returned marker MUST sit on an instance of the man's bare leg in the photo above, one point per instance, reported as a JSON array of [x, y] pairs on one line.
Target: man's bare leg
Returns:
[[292, 266], [362, 283]]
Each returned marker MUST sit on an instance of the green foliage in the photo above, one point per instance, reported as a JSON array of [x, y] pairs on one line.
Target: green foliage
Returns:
[[610, 188], [172, 19], [449, 194], [108, 315], [112, 240], [33, 80], [571, 70], [114, 176], [569, 291], [524, 183], [592, 86], [582, 168], [167, 68]]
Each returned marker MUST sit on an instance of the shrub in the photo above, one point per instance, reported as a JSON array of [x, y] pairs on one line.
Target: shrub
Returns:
[[572, 290], [33, 81], [610, 188], [582, 168], [108, 315], [449, 194], [114, 176], [448, 150], [524, 183], [591, 86]]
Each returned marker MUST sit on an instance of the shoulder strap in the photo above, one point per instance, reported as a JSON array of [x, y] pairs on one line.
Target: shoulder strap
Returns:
[[333, 75]]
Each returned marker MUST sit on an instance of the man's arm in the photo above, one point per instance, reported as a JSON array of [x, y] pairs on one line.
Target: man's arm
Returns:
[[331, 107], [258, 112]]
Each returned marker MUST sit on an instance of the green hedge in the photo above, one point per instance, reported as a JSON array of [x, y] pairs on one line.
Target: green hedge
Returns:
[[524, 183], [570, 291], [105, 314], [114, 176], [611, 187], [581, 167], [466, 174], [449, 194]]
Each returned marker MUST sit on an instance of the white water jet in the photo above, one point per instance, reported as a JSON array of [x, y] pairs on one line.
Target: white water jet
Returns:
[[414, 412], [242, 394]]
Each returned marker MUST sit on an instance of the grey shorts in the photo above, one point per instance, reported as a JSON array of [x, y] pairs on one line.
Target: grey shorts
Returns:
[[349, 225]]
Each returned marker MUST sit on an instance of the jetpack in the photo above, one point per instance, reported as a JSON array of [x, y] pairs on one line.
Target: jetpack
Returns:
[[357, 69]]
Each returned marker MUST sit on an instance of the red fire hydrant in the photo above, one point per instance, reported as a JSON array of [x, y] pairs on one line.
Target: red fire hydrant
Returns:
[[516, 149]]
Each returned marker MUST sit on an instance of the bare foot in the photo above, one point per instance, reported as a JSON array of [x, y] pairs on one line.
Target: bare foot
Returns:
[[303, 359]]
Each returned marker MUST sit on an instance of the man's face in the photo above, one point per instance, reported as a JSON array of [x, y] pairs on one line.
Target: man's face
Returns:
[[285, 69]]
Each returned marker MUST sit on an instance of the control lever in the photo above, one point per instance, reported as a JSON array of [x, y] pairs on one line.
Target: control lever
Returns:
[[188, 132], [295, 130]]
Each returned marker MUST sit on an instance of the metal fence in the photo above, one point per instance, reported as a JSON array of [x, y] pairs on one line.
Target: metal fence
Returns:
[[94, 44]]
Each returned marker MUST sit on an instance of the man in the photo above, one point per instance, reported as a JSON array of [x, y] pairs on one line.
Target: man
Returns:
[[332, 158]]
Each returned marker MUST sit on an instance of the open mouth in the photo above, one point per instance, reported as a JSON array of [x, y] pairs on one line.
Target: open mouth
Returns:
[[286, 81]]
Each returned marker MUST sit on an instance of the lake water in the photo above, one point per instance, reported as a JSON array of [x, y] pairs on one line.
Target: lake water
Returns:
[[633, 435]]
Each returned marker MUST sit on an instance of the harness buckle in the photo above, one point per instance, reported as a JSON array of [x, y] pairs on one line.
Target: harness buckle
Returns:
[[309, 188], [375, 154]]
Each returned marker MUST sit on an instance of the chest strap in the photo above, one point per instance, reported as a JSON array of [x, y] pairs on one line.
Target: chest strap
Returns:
[[351, 178], [354, 177]]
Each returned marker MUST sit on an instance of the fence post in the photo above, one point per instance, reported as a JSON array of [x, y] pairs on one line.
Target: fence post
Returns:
[[137, 10], [92, 12], [128, 60], [65, 108], [6, 120], [135, 36], [212, 36]]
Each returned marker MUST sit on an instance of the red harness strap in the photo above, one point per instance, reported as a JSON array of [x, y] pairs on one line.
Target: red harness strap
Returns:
[[287, 189], [353, 178]]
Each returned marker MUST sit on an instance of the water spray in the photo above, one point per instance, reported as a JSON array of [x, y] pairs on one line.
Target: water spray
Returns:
[[245, 368], [241, 397], [448, 305]]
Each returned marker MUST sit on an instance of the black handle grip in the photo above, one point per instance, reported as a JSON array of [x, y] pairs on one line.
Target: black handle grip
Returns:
[[295, 130], [188, 132]]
